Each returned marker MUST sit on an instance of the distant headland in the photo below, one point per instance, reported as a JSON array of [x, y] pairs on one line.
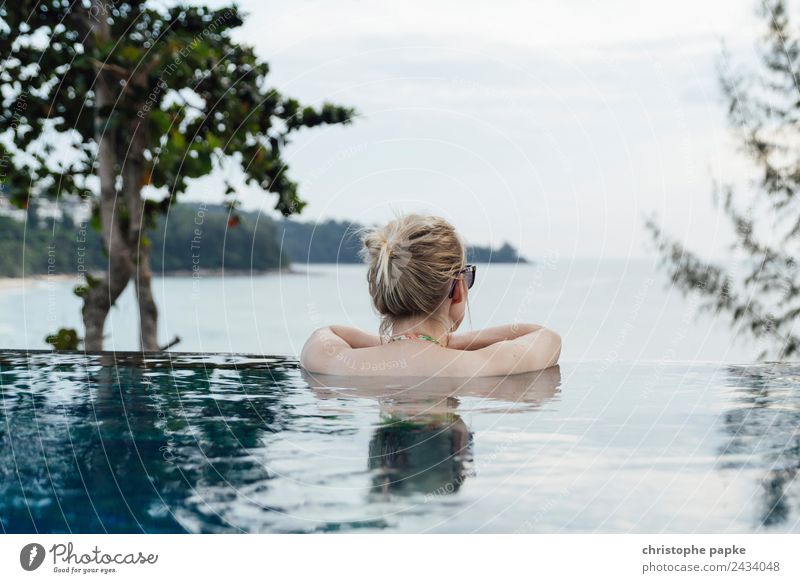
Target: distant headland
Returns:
[[193, 236]]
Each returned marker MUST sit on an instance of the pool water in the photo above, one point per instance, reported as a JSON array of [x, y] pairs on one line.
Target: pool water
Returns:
[[231, 443]]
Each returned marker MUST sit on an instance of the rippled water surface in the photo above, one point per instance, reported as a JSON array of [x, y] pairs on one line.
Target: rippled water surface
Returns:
[[204, 443]]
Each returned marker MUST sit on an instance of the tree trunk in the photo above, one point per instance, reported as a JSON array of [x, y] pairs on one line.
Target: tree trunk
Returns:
[[102, 295], [137, 239], [148, 313]]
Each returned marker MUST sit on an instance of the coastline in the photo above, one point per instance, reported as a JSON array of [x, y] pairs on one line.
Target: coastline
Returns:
[[8, 283]]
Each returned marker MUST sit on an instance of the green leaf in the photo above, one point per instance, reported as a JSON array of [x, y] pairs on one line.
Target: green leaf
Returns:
[[64, 339]]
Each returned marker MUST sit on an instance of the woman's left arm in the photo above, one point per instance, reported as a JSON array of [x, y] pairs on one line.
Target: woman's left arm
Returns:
[[477, 339]]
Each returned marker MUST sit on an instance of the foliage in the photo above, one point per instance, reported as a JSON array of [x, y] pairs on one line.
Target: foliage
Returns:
[[504, 254], [64, 339], [323, 242], [195, 236], [64, 247], [338, 242], [101, 100], [257, 243], [196, 95], [764, 113]]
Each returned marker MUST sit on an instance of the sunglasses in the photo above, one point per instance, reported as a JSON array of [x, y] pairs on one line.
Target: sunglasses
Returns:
[[469, 278]]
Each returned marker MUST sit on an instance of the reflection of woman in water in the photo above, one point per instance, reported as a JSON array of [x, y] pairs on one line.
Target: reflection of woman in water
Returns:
[[421, 444], [425, 454], [419, 280]]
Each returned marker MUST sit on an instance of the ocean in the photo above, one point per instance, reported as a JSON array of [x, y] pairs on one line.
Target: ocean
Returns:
[[604, 310]]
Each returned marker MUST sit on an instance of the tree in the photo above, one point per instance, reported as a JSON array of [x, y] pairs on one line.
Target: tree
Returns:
[[764, 112], [101, 99]]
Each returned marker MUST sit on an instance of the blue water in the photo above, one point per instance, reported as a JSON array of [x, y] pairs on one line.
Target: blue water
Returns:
[[226, 443]]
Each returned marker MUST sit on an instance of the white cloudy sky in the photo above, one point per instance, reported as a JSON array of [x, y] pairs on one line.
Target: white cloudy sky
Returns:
[[553, 124]]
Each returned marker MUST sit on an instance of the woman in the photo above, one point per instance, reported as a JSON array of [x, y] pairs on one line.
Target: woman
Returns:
[[419, 281]]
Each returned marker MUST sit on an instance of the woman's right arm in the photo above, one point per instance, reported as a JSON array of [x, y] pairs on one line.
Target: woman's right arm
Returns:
[[327, 345], [320, 349], [529, 352]]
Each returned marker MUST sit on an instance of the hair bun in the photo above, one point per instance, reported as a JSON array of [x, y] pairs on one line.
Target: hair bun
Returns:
[[385, 247]]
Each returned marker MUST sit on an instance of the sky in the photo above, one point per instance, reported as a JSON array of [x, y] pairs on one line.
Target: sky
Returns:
[[558, 126]]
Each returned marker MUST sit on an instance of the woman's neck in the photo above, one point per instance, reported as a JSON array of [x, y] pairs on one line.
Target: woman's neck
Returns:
[[423, 326]]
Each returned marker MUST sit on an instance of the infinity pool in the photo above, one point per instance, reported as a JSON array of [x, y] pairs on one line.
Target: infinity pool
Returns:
[[229, 443]]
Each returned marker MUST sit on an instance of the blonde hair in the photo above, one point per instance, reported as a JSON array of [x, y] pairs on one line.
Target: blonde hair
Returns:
[[412, 262]]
